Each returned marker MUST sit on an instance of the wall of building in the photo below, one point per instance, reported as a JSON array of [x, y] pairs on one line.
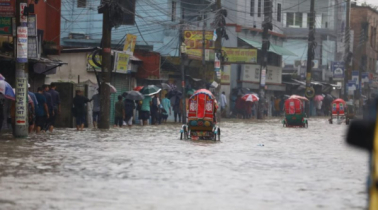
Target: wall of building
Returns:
[[365, 38], [77, 65], [48, 19]]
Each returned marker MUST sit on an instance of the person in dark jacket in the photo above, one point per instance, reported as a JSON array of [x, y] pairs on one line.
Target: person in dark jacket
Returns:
[[80, 110], [129, 111], [56, 105]]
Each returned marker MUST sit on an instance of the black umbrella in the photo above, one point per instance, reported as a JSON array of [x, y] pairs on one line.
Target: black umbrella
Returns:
[[173, 93], [133, 95]]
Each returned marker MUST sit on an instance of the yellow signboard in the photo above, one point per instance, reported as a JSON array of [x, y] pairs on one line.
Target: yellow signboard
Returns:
[[91, 63], [122, 62], [130, 43], [226, 74], [193, 39], [237, 55]]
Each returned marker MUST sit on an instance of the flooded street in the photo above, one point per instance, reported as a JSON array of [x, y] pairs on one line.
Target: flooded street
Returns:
[[150, 168]]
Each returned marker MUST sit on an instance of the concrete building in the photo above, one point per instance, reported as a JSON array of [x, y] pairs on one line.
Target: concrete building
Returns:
[[364, 22], [329, 35]]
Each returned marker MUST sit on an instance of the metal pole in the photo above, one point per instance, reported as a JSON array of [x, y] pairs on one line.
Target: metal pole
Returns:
[[218, 51], [104, 122], [203, 45], [310, 92], [21, 115], [267, 25], [182, 67], [347, 52]]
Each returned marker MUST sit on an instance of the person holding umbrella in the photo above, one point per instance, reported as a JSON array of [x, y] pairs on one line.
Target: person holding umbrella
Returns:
[[145, 112], [130, 97]]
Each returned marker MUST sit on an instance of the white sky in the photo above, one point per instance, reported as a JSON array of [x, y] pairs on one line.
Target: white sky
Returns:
[[373, 2]]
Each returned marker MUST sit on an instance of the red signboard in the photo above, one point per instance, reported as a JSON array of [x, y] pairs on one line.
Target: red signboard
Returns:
[[7, 8]]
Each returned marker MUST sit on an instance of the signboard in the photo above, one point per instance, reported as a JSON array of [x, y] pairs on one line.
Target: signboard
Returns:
[[32, 25], [6, 26], [365, 78], [21, 105], [374, 81], [237, 55], [130, 44], [7, 8], [216, 63], [92, 64], [193, 39], [23, 18], [196, 54], [251, 73], [22, 44], [351, 87], [263, 77], [355, 78], [226, 74], [33, 49], [338, 69], [122, 62]]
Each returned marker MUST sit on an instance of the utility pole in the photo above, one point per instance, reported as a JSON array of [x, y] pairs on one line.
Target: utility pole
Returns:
[[203, 45], [21, 55], [182, 67], [104, 122], [267, 25], [310, 92], [347, 56], [218, 49]]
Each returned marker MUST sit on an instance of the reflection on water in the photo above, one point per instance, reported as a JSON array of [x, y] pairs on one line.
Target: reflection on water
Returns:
[[149, 168]]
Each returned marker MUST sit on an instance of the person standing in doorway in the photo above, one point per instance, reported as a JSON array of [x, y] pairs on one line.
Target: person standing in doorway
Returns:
[[42, 112], [50, 105], [56, 105], [119, 112], [96, 109], [80, 109]]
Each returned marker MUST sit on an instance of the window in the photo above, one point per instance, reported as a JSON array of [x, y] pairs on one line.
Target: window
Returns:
[[279, 12], [173, 11], [294, 19], [259, 8], [252, 12], [81, 3]]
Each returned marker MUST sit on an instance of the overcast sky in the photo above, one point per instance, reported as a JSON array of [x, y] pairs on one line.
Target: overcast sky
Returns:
[[373, 2]]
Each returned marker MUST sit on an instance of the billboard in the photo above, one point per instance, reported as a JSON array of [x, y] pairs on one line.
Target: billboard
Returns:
[[338, 70], [193, 39], [237, 55], [7, 8], [130, 44], [122, 62]]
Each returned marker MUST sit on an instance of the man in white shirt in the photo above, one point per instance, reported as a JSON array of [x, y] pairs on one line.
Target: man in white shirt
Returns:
[[223, 101]]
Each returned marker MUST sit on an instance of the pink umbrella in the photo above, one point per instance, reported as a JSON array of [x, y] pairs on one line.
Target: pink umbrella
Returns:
[[298, 97], [250, 97], [318, 98]]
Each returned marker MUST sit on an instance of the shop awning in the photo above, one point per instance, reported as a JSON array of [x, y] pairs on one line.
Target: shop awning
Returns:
[[45, 66], [273, 48]]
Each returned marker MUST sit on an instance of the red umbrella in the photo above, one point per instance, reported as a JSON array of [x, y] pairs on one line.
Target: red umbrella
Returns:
[[298, 97], [250, 97], [138, 88]]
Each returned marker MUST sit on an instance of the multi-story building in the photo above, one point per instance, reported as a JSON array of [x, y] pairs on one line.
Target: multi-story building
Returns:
[[364, 23], [244, 20], [330, 16]]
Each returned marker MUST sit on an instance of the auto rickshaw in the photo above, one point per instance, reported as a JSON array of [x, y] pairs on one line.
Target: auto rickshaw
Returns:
[[201, 117], [339, 112], [295, 115]]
